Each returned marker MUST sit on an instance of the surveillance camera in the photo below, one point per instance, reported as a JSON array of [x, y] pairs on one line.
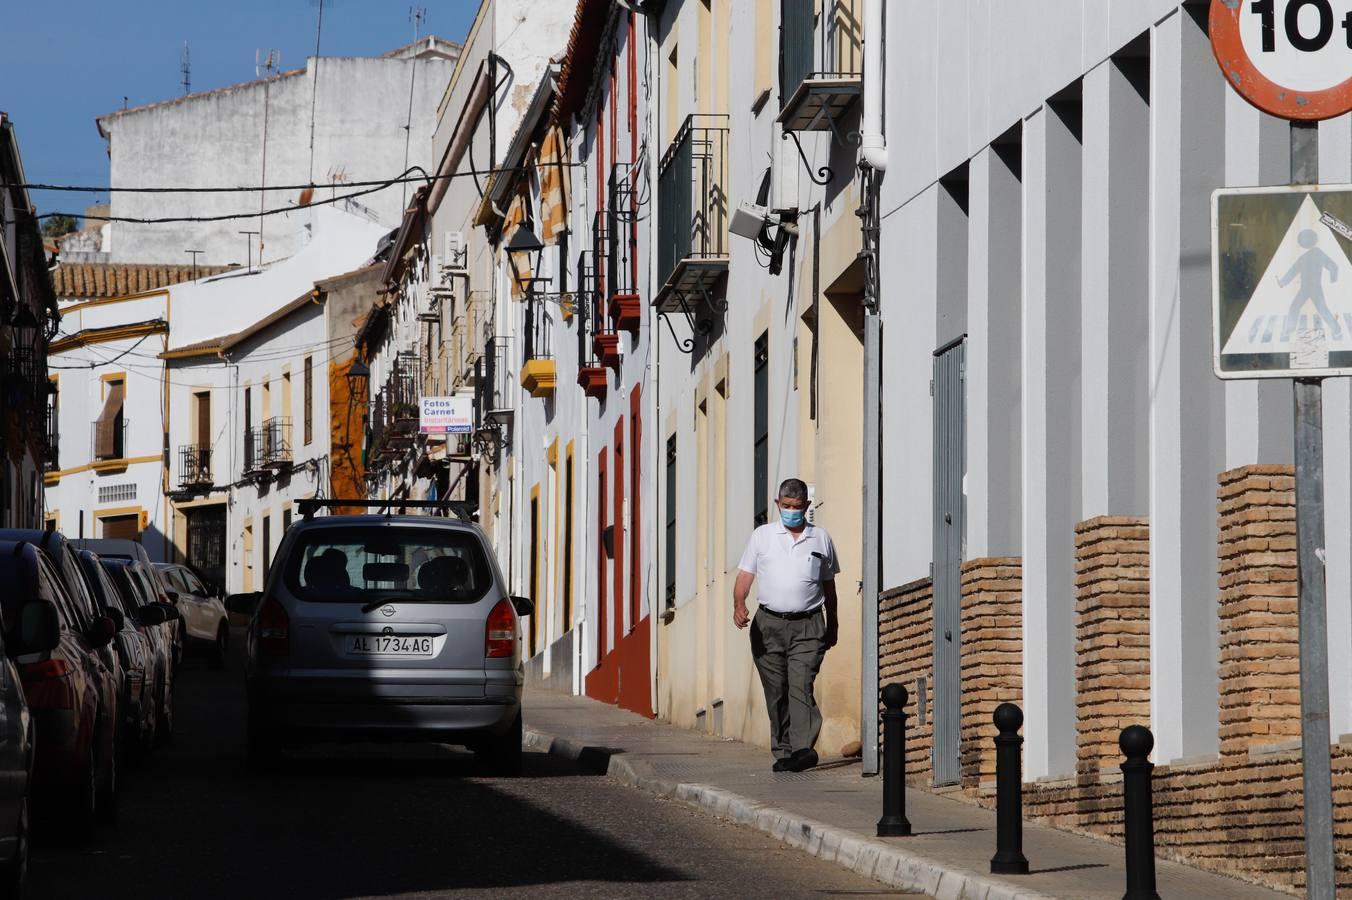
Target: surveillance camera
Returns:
[[748, 220]]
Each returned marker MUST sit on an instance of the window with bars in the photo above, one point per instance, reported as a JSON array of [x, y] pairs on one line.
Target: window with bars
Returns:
[[671, 523], [761, 450], [309, 400]]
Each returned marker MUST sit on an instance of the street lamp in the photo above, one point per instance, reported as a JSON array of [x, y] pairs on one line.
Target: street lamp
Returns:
[[358, 376], [525, 242]]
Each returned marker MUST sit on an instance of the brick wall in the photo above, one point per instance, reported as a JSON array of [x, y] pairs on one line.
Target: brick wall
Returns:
[[1259, 664], [1112, 636], [992, 658], [905, 654]]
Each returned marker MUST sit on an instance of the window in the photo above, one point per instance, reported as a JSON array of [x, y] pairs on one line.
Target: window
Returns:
[[309, 400], [248, 431], [109, 428], [568, 540], [267, 547], [671, 523], [635, 507], [346, 564], [761, 449], [124, 527], [202, 409], [117, 493], [534, 561]]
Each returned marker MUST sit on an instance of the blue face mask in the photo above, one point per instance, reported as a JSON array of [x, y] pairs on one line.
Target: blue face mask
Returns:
[[793, 518]]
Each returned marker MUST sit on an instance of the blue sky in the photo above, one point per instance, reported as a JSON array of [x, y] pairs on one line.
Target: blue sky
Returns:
[[66, 63]]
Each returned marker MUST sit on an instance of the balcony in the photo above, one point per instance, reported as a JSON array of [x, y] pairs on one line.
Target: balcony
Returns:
[[623, 304], [267, 447], [194, 466], [51, 448], [597, 344], [114, 443], [692, 231], [538, 372], [820, 68]]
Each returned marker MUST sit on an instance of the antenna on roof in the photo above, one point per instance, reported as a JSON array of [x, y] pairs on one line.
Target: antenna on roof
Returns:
[[417, 15], [267, 67], [185, 66]]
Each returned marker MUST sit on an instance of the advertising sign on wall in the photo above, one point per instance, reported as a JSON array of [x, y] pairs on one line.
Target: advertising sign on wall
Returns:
[[446, 415]]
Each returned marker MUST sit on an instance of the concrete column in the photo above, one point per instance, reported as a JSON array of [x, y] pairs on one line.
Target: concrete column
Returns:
[[908, 319], [1051, 431], [1115, 280], [994, 393], [1187, 409], [1335, 166]]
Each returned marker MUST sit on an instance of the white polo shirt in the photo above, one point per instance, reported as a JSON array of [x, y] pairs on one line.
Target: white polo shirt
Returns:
[[790, 571]]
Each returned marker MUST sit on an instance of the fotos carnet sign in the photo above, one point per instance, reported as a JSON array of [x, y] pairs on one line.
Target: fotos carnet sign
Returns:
[[446, 415], [1282, 282], [1291, 58]]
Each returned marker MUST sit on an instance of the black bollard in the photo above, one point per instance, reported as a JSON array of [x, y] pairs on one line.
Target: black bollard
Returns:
[[1138, 809], [1008, 858], [894, 822]]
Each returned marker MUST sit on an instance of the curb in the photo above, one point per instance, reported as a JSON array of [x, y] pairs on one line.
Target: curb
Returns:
[[875, 859]]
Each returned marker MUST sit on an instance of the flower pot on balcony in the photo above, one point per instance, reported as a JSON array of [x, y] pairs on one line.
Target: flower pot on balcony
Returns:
[[626, 312], [538, 377], [607, 350], [593, 380]]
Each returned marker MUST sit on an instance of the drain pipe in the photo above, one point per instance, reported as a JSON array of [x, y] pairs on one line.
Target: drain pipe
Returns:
[[872, 165]]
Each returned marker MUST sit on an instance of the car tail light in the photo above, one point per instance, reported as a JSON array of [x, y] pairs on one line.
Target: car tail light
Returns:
[[46, 684], [274, 629], [500, 633]]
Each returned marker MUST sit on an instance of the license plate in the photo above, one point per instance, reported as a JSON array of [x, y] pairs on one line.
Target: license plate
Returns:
[[389, 645]]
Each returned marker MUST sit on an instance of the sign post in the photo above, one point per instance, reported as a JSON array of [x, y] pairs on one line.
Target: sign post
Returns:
[[1292, 59]]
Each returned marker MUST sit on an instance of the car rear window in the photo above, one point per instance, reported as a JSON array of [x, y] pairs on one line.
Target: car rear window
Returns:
[[370, 564]]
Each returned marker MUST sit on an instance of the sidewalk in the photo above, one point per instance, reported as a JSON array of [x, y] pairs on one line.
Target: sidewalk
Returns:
[[831, 811]]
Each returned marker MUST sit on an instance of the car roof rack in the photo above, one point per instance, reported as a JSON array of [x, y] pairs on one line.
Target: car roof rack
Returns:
[[463, 511]]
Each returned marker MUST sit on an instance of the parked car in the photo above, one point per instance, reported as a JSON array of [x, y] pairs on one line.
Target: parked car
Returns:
[[91, 640], [135, 551], [396, 627], [206, 624], [31, 628], [137, 652], [156, 620], [75, 725]]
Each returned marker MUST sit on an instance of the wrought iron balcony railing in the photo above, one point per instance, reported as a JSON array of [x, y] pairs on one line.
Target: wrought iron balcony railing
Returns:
[[268, 446], [194, 465], [692, 230], [51, 448], [820, 63]]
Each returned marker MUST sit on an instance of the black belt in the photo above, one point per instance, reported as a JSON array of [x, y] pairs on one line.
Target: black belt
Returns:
[[793, 616]]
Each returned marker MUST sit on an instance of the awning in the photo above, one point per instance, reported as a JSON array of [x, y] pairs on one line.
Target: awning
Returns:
[[105, 427]]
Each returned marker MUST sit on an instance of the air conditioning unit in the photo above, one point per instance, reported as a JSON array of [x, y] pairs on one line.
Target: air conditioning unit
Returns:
[[454, 256]]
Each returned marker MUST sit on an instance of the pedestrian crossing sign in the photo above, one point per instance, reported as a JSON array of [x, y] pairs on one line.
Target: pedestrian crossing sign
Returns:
[[1282, 281]]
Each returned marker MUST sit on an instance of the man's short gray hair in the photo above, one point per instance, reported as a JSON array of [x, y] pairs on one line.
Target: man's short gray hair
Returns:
[[793, 489]]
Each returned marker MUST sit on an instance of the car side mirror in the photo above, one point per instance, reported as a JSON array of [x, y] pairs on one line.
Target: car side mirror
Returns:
[[39, 627], [119, 619], [171, 612], [243, 604], [524, 606], [172, 595], [101, 632], [150, 615]]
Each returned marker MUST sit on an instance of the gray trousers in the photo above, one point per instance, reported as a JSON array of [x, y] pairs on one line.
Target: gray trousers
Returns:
[[788, 654]]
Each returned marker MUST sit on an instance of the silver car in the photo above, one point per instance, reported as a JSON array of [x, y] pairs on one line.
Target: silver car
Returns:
[[385, 627]]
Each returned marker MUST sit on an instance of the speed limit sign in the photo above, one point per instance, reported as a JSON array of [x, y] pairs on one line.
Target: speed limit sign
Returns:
[[1291, 58]]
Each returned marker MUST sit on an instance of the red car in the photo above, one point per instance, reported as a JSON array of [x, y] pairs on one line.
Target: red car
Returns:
[[75, 728]]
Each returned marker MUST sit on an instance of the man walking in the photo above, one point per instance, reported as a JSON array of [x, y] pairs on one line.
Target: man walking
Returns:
[[796, 622]]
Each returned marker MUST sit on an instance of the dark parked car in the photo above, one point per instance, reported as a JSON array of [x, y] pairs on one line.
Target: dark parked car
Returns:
[[394, 627], [136, 650], [90, 644], [74, 778], [206, 625], [134, 551], [156, 620], [31, 628]]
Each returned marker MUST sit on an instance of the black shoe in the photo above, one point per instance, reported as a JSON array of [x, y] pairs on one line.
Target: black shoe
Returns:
[[782, 765], [802, 760]]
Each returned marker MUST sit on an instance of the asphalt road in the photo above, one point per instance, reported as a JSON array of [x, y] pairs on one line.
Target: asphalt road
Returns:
[[358, 821]]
